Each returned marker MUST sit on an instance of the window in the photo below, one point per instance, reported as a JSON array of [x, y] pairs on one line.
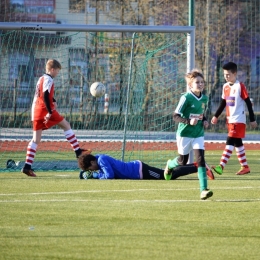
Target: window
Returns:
[[23, 73], [75, 75], [77, 66], [77, 6], [33, 10], [77, 54], [102, 5], [19, 68], [39, 67]]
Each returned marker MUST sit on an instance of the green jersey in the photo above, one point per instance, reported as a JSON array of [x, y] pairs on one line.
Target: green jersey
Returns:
[[190, 106]]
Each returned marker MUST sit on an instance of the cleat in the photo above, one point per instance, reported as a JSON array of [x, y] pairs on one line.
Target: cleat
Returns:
[[168, 172], [205, 194], [218, 169], [84, 151], [209, 172], [243, 171], [87, 151], [28, 172]]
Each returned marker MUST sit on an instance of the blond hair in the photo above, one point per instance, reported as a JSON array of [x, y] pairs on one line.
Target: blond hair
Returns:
[[190, 76], [52, 64]]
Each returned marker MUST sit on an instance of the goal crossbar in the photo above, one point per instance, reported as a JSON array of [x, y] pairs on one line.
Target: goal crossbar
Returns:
[[38, 27], [95, 28]]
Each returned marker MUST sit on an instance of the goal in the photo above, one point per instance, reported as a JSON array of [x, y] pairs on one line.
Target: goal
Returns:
[[142, 68]]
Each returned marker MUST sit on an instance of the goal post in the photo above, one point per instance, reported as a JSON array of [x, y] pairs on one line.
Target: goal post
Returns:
[[142, 67]]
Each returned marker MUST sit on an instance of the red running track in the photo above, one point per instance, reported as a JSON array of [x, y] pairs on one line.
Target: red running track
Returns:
[[18, 146]]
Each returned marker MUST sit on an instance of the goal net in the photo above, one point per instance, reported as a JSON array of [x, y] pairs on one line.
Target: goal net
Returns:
[[143, 72]]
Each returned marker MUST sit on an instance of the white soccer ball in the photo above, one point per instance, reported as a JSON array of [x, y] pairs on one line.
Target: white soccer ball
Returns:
[[97, 89]]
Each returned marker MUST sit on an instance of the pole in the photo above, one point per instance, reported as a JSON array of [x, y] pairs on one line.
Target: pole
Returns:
[[127, 97], [191, 12], [14, 98], [191, 55], [93, 28], [96, 42], [81, 98], [106, 104], [207, 62]]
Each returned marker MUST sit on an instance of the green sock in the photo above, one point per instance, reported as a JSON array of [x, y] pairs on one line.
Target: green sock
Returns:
[[173, 163], [202, 178]]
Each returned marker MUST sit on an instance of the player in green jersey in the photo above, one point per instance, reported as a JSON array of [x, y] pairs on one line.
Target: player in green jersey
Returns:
[[190, 133]]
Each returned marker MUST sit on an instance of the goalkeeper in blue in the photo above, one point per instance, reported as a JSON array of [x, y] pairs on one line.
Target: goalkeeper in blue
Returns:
[[189, 114], [102, 166]]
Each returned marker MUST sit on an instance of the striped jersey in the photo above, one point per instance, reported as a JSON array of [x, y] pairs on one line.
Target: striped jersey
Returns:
[[190, 106], [235, 105], [39, 109]]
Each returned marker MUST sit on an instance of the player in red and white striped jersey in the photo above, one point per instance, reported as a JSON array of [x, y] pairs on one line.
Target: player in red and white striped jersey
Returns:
[[234, 97], [45, 115]]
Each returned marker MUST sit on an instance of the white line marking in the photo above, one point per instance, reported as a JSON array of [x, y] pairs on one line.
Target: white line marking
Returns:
[[133, 190], [90, 191], [131, 201]]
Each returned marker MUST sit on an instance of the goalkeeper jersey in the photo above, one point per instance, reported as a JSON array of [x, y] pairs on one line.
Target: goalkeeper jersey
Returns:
[[110, 168], [190, 106]]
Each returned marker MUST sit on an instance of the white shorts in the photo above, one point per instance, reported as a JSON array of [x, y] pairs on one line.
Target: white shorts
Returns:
[[186, 144]]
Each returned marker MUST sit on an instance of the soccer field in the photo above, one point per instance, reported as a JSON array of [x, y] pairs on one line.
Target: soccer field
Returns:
[[58, 216]]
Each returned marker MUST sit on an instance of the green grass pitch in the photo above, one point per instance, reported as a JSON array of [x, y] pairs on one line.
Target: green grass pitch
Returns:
[[58, 216]]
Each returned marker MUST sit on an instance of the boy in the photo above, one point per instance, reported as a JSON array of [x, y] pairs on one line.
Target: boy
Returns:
[[234, 96], [45, 115], [190, 133], [111, 168]]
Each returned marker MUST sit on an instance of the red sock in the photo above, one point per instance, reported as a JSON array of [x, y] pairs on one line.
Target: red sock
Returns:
[[70, 136], [31, 151]]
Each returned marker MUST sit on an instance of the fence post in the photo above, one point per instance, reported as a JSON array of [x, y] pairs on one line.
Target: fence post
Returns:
[[127, 96], [81, 103], [106, 104], [14, 98]]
